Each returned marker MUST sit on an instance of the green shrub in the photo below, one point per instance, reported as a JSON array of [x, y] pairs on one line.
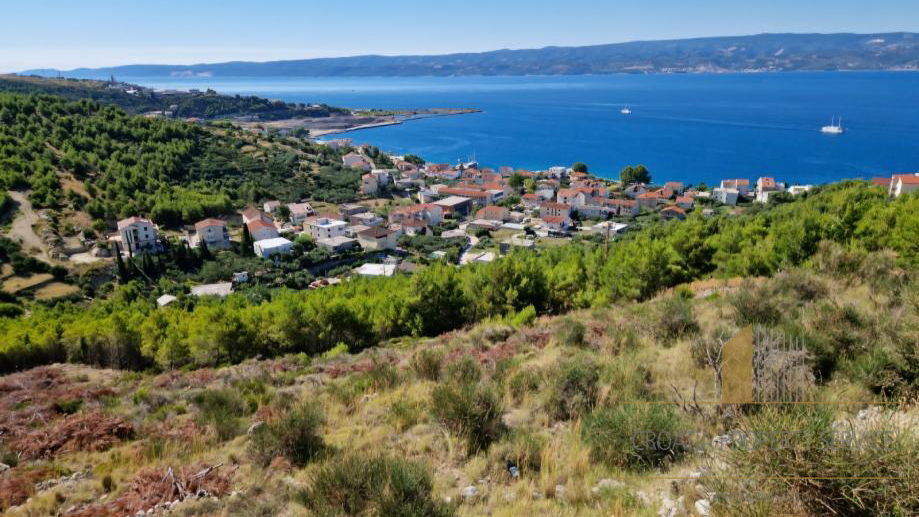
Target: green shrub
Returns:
[[108, 484], [222, 409], [383, 376], [405, 413], [675, 319], [569, 333], [522, 449], [466, 370], [525, 381], [870, 471], [470, 411], [10, 310], [68, 406], [428, 364], [378, 486], [295, 436], [755, 306], [574, 388], [611, 434]]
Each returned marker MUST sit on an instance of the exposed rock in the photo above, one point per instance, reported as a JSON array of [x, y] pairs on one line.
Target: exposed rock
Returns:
[[703, 507], [605, 484], [252, 428], [470, 492], [670, 508], [4, 466], [721, 441], [560, 491]]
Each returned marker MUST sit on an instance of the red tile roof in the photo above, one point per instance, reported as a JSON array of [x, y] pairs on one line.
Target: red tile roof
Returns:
[[908, 179], [258, 223], [200, 225], [884, 182], [131, 220], [557, 206]]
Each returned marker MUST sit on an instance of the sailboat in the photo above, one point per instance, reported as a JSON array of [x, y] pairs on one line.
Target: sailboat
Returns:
[[835, 128], [626, 111]]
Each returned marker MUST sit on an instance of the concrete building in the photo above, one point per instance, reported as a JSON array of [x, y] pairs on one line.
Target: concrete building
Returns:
[[338, 244], [299, 212], [902, 183], [325, 228], [212, 232], [261, 230], [377, 238], [728, 196], [138, 234], [270, 247]]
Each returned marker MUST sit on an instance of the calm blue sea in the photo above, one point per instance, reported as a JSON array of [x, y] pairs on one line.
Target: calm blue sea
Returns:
[[691, 128]]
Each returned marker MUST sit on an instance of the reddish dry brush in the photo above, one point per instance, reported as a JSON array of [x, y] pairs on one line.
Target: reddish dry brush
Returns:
[[84, 431], [18, 484], [29, 398], [153, 486]]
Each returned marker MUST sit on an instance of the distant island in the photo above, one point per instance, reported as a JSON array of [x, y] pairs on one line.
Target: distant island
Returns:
[[756, 53]]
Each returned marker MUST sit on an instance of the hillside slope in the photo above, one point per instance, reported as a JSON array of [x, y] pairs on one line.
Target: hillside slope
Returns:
[[762, 52], [535, 418]]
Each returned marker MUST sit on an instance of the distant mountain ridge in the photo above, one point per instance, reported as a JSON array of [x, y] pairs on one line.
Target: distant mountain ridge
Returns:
[[756, 53]]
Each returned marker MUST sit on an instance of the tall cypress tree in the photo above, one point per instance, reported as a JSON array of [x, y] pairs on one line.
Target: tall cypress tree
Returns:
[[247, 242], [122, 269]]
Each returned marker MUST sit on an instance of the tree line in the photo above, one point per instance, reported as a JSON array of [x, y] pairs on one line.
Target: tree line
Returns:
[[127, 330]]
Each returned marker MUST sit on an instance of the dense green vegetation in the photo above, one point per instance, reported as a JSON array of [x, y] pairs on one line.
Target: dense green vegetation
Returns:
[[208, 104], [127, 330], [177, 173]]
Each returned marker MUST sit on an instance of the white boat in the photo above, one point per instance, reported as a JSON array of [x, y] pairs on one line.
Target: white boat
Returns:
[[626, 111], [835, 128]]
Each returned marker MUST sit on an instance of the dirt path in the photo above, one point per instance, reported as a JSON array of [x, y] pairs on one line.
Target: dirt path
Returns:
[[21, 230]]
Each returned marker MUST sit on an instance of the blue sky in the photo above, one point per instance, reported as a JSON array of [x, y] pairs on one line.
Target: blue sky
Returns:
[[73, 33]]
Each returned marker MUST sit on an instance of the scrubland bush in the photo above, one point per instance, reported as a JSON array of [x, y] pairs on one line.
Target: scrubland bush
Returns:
[[675, 319], [221, 409], [466, 370], [428, 364], [574, 388], [405, 413], [470, 411], [618, 435], [803, 285], [873, 473], [569, 333], [357, 485], [523, 382], [754, 305], [522, 449], [296, 436]]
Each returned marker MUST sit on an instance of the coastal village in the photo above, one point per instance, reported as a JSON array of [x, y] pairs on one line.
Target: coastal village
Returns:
[[483, 212]]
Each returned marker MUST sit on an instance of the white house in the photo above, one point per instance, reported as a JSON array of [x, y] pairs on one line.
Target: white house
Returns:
[[271, 207], [728, 196], [355, 161], [212, 232], [337, 244], [299, 212], [741, 185], [369, 185], [325, 228], [138, 234], [900, 183], [254, 214], [260, 230], [269, 247]]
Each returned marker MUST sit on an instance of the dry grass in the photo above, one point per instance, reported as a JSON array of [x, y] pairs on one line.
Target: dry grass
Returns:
[[55, 290], [371, 412], [20, 283]]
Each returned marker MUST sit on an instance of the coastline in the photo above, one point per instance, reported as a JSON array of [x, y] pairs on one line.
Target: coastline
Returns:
[[358, 120]]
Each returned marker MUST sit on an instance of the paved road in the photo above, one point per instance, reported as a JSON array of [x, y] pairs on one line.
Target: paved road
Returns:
[[21, 230], [466, 257]]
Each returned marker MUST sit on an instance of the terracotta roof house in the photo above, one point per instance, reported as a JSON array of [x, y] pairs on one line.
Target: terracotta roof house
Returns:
[[261, 230], [882, 182], [138, 234], [493, 213], [377, 238], [902, 183], [251, 214], [355, 161], [742, 185], [212, 232], [685, 202], [430, 213], [299, 212], [673, 212], [766, 184]]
